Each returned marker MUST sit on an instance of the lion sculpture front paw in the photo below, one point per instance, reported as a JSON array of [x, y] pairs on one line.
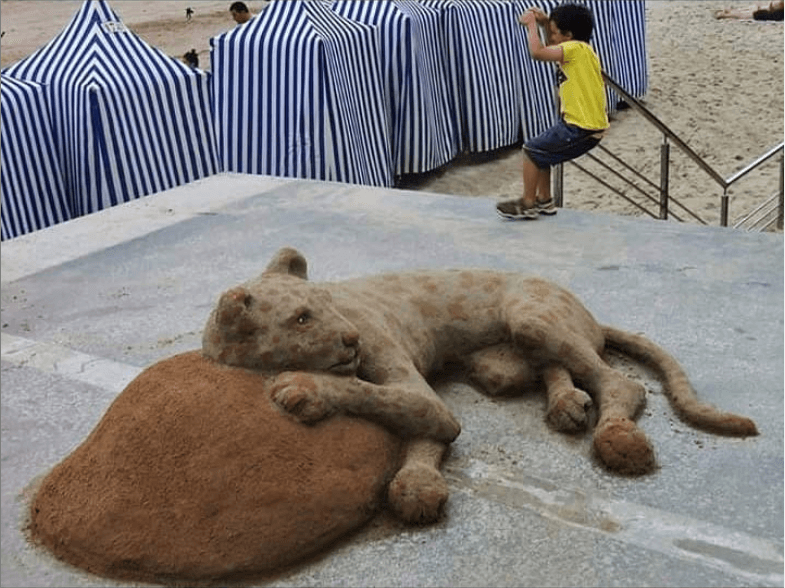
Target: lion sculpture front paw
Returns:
[[298, 394], [417, 494]]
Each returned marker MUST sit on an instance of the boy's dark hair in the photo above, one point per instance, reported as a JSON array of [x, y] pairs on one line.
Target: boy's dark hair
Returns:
[[575, 19], [238, 7]]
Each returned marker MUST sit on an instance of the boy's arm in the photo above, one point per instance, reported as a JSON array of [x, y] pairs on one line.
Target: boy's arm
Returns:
[[537, 50]]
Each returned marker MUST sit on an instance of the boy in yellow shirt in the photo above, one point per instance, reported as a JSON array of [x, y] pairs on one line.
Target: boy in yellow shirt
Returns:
[[582, 96]]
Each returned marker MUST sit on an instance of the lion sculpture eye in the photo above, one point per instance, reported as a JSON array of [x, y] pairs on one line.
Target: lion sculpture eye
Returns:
[[303, 318]]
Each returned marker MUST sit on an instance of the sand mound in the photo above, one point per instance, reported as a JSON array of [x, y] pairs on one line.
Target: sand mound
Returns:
[[193, 474]]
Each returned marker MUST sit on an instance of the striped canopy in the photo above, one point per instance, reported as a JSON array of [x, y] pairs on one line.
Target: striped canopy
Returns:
[[127, 119], [297, 92], [484, 61], [32, 194], [620, 41], [419, 111]]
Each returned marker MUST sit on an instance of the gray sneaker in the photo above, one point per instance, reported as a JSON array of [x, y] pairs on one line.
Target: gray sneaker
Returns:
[[515, 210], [547, 207]]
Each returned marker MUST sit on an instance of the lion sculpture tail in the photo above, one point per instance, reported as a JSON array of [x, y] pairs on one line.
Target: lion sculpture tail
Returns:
[[677, 386]]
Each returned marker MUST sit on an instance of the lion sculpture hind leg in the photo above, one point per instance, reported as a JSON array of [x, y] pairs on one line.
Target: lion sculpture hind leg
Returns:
[[501, 371], [618, 441], [555, 326]]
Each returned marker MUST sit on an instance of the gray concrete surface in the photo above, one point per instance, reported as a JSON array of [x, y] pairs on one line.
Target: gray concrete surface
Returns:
[[88, 304]]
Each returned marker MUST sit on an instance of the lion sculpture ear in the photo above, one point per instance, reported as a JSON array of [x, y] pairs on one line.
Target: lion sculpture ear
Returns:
[[230, 322], [288, 261], [232, 305]]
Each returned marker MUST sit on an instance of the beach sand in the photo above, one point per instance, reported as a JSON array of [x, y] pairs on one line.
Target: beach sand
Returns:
[[718, 84]]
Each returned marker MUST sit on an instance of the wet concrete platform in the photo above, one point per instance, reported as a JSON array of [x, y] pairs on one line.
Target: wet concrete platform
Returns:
[[89, 304]]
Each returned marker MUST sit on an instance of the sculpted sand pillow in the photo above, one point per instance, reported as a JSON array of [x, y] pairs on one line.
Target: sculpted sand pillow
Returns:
[[193, 473]]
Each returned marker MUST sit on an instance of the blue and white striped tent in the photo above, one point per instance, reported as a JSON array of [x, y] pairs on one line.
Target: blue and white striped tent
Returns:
[[484, 64], [32, 195], [620, 41], [128, 120], [298, 92], [422, 126]]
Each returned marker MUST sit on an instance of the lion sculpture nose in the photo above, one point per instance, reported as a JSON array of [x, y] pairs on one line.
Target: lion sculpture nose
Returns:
[[351, 338]]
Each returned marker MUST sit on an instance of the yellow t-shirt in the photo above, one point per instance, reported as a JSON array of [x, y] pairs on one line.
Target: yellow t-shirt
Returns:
[[582, 93]]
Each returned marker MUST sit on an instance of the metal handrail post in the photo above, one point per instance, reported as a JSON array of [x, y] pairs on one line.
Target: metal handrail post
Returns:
[[558, 186], [664, 176], [781, 206], [724, 207]]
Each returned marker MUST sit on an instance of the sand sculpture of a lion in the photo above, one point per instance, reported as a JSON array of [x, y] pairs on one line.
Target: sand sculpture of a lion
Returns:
[[366, 346]]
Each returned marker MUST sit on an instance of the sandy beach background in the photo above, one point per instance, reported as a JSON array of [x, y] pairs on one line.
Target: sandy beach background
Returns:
[[717, 83]]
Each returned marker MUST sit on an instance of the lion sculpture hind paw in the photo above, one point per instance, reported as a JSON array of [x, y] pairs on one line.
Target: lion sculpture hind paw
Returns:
[[623, 447]]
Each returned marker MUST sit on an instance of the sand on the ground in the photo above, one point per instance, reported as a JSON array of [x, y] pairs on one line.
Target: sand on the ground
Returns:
[[718, 84]]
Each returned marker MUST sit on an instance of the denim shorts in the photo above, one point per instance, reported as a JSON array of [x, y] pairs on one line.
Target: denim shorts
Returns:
[[560, 143]]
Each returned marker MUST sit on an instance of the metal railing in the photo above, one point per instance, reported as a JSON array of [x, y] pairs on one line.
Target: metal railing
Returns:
[[771, 210], [763, 217]]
